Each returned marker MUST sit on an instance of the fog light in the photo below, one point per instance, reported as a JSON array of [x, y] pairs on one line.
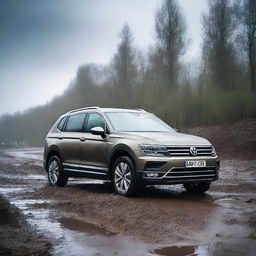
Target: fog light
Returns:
[[152, 174]]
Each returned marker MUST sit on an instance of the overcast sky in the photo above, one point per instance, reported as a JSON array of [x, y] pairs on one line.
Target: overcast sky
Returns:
[[43, 42]]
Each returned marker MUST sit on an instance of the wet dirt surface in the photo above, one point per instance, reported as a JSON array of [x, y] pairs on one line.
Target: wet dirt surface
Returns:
[[17, 237], [88, 218]]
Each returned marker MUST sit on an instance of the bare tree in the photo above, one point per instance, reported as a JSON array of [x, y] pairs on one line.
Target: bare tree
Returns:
[[249, 11], [218, 47], [125, 69], [170, 30], [142, 65]]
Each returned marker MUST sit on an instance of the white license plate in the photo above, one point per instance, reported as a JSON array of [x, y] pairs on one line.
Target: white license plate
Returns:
[[195, 163]]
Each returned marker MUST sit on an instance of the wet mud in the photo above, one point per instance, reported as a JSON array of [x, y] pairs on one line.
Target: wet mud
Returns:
[[17, 237], [88, 218]]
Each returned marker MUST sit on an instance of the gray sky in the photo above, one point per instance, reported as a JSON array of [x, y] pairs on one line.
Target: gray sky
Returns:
[[43, 42]]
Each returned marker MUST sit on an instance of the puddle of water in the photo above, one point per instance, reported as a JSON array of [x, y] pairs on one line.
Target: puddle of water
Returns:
[[73, 237], [23, 176], [176, 251], [26, 204], [186, 250], [5, 191], [89, 239], [85, 181], [11, 176], [35, 177], [77, 225], [29, 153], [230, 194]]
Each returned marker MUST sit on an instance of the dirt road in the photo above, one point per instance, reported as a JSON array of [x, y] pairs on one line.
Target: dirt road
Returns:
[[88, 218]]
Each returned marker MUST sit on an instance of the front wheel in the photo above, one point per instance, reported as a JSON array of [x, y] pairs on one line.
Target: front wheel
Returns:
[[56, 176], [198, 188], [124, 176]]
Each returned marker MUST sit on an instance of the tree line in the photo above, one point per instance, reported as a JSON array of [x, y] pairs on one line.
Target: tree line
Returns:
[[217, 88]]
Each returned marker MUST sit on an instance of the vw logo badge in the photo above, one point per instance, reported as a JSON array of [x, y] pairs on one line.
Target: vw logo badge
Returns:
[[193, 151]]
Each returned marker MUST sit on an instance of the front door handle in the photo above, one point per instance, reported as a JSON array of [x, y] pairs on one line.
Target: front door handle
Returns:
[[82, 138]]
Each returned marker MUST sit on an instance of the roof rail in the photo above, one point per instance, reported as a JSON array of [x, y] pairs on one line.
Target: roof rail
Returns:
[[80, 109]]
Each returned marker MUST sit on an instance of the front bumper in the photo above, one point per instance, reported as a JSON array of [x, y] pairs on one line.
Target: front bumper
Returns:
[[172, 170]]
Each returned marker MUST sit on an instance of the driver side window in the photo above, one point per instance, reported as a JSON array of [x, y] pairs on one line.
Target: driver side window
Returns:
[[95, 120]]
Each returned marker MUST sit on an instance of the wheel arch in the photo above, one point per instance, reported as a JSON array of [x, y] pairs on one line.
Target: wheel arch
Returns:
[[119, 151], [53, 151]]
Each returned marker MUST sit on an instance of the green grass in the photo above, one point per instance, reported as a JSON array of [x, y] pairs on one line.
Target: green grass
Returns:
[[252, 235]]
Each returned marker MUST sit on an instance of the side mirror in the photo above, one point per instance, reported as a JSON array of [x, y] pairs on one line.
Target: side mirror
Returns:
[[175, 129], [98, 131]]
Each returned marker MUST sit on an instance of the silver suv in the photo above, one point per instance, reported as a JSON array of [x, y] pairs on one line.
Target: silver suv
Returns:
[[131, 148]]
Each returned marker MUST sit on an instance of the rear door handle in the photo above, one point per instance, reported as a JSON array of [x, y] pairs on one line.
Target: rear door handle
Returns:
[[60, 138], [82, 138]]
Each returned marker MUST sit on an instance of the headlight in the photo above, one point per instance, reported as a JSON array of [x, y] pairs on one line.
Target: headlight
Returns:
[[213, 151], [154, 150]]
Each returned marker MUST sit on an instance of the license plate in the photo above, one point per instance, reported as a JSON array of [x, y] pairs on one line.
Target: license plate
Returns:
[[195, 163]]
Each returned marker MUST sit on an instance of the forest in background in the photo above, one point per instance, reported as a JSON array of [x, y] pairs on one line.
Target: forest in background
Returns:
[[217, 88]]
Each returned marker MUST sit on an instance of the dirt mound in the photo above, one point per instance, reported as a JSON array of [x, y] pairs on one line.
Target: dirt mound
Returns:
[[8, 214], [237, 141], [16, 236]]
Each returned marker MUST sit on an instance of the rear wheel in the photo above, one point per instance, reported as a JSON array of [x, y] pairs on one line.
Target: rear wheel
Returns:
[[56, 176], [198, 188], [124, 176]]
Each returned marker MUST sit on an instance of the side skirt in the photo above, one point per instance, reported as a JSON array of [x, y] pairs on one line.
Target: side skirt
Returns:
[[87, 171]]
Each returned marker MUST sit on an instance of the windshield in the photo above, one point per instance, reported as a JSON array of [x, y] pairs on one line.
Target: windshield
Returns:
[[137, 122]]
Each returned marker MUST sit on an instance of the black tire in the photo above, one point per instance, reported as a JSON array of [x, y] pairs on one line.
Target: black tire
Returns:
[[197, 188], [127, 174], [56, 175]]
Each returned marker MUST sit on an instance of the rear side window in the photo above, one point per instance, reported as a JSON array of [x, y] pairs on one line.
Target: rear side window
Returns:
[[95, 120], [61, 123], [75, 123]]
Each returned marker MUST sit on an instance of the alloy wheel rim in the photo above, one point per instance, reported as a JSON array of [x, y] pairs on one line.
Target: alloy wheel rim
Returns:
[[122, 177], [53, 171]]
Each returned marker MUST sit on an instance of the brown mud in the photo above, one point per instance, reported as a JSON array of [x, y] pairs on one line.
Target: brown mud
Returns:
[[88, 218], [17, 236], [232, 141]]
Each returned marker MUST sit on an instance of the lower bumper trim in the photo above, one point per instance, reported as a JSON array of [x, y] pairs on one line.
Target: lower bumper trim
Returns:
[[180, 175]]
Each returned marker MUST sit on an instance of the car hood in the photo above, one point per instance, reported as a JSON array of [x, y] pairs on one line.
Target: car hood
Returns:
[[172, 139]]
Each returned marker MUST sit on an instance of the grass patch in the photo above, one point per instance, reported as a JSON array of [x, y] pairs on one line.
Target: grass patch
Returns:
[[253, 235]]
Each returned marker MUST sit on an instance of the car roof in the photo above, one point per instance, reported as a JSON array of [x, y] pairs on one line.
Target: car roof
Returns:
[[104, 110], [122, 110]]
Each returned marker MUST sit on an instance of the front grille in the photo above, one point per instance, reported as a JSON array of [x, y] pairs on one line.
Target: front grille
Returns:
[[185, 151], [191, 173]]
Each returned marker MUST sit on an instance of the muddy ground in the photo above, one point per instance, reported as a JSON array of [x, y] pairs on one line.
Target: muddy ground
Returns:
[[232, 141], [16, 236], [88, 218]]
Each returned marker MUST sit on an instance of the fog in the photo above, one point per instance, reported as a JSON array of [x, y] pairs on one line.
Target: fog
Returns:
[[43, 42], [190, 66]]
